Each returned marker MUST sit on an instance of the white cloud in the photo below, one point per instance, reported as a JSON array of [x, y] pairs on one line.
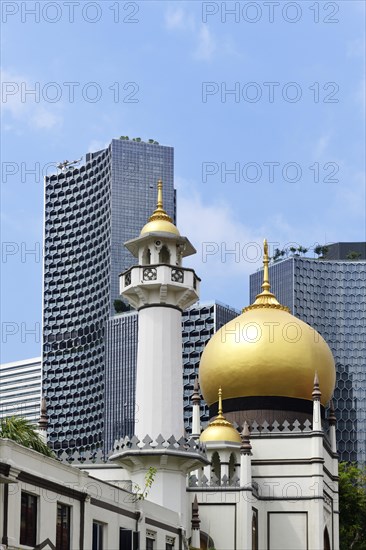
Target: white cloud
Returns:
[[321, 145], [42, 118], [178, 18], [206, 44], [26, 108], [356, 47], [97, 145], [228, 250]]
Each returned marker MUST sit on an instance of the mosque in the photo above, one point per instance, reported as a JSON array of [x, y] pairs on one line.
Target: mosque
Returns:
[[263, 475]]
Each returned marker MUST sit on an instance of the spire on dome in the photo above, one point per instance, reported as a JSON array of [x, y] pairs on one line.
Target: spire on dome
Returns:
[[220, 415], [220, 429], [159, 220], [266, 298], [159, 213]]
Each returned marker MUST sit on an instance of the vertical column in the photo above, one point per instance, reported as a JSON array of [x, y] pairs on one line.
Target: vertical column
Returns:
[[316, 532], [244, 507], [159, 382], [196, 417]]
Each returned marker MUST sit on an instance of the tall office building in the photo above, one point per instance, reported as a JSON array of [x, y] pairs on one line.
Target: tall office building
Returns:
[[199, 323], [90, 211], [330, 295], [20, 389]]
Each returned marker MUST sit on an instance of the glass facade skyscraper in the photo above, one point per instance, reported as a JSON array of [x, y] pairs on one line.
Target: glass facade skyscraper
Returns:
[[330, 295], [199, 323], [120, 377], [90, 211]]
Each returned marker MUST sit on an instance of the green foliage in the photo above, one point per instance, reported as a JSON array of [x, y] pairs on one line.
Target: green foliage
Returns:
[[23, 432], [353, 255], [120, 306], [321, 250], [141, 494], [276, 254], [352, 507]]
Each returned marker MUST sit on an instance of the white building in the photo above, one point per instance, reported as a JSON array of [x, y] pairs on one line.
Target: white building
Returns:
[[20, 388], [270, 485]]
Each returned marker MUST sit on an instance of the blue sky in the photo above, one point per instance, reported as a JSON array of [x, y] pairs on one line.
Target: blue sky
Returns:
[[291, 131]]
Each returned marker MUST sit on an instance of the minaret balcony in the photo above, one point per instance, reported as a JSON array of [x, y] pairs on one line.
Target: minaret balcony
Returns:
[[163, 283]]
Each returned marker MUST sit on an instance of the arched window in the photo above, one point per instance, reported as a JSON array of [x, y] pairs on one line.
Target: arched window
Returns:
[[206, 541], [232, 471], [146, 257], [216, 467], [164, 255], [255, 529], [326, 540]]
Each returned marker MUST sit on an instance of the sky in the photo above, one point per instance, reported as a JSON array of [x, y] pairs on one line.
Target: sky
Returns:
[[262, 101]]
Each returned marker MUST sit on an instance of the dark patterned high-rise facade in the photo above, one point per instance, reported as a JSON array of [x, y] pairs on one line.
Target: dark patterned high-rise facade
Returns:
[[90, 211], [120, 377], [330, 295], [199, 323]]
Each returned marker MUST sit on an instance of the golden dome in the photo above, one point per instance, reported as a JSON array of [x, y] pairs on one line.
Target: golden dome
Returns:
[[266, 351], [159, 221], [220, 429]]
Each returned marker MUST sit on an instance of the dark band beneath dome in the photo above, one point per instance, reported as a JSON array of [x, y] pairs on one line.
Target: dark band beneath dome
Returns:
[[267, 408]]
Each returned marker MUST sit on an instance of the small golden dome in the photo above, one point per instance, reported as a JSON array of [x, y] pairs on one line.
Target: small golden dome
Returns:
[[220, 429], [266, 351], [159, 221]]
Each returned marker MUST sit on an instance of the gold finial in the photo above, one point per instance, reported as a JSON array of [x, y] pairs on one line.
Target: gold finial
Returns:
[[265, 285], [219, 414], [159, 205], [266, 298], [159, 213], [220, 429]]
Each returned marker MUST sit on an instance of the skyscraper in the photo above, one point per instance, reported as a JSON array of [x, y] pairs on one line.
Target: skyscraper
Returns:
[[90, 211], [199, 324], [20, 389], [330, 295]]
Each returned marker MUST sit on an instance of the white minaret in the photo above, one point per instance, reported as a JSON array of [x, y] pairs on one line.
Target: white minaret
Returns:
[[160, 288]]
